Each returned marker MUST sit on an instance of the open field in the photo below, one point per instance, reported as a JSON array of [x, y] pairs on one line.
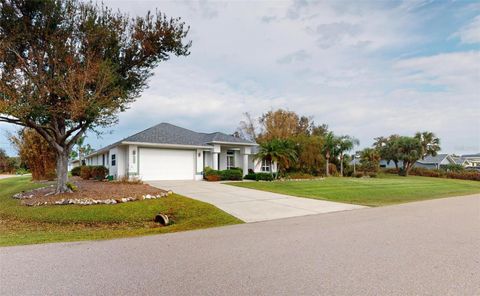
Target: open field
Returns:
[[28, 225], [384, 190]]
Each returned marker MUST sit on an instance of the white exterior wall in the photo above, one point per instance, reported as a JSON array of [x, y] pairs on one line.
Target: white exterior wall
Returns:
[[208, 159], [122, 164], [112, 169], [121, 161], [199, 164], [131, 156], [223, 159], [238, 159]]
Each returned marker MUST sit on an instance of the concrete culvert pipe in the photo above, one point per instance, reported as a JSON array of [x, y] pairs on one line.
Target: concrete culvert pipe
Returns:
[[162, 219]]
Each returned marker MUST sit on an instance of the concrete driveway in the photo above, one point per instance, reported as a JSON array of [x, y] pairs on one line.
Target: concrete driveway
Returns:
[[251, 205]]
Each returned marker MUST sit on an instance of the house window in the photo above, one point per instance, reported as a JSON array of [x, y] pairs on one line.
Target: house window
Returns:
[[103, 159], [265, 165], [114, 161], [230, 159], [134, 156]]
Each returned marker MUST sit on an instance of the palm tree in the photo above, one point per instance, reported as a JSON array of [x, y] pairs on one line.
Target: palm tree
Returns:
[[369, 159], [330, 148], [281, 152], [430, 143], [380, 142], [345, 143]]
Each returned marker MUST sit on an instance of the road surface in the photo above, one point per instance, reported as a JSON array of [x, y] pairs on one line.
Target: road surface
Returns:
[[421, 248]]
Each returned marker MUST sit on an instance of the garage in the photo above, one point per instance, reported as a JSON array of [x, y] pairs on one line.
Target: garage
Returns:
[[166, 164]]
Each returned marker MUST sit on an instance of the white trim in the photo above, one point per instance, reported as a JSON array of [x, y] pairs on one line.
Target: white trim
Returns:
[[234, 143]]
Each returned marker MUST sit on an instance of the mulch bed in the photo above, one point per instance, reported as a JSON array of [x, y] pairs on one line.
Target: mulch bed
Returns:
[[92, 192]]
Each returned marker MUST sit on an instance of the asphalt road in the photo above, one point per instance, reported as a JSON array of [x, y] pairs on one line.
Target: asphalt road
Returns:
[[423, 248]]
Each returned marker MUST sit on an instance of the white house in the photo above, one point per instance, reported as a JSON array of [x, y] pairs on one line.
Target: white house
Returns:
[[169, 152], [473, 160]]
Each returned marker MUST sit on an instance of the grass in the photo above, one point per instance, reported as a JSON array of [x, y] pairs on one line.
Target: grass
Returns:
[[384, 190], [30, 225]]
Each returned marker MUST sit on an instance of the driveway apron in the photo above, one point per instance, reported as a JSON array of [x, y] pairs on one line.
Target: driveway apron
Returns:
[[252, 205]]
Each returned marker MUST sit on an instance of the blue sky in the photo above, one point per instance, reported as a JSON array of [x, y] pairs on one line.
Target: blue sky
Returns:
[[365, 68]]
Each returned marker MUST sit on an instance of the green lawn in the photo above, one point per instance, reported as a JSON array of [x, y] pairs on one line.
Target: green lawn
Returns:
[[384, 190], [29, 225]]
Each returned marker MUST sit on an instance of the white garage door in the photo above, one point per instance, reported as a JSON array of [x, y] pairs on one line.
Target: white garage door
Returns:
[[166, 164]]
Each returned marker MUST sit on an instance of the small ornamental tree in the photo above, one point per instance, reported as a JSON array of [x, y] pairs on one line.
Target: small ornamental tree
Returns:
[[67, 66]]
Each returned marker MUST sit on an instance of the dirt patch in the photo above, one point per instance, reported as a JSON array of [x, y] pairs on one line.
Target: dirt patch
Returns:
[[92, 192]]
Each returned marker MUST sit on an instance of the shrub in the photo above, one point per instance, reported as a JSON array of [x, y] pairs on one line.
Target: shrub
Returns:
[[264, 177], [372, 175], [210, 174], [72, 186], [133, 180], [213, 178], [231, 174], [99, 172], [250, 176], [358, 174], [452, 167], [390, 171], [332, 169], [427, 172], [76, 171], [85, 172], [22, 171], [464, 175]]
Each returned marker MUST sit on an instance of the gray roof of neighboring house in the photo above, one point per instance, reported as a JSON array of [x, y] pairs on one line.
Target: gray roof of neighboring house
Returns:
[[459, 160], [166, 133], [471, 155], [433, 159]]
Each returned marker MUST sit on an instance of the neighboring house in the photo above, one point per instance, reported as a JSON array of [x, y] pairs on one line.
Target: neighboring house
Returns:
[[73, 163], [389, 164], [169, 152], [435, 162], [473, 159], [462, 161]]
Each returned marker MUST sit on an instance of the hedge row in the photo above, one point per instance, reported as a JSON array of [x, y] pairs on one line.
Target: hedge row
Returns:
[[462, 175]]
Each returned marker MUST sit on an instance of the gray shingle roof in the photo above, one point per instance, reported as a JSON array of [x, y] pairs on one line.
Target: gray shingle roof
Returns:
[[433, 159], [165, 133]]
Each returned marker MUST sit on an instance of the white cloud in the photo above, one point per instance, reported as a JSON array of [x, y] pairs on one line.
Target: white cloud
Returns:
[[470, 33], [341, 62]]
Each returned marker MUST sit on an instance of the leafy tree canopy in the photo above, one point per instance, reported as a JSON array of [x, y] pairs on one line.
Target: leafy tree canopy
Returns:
[[67, 66]]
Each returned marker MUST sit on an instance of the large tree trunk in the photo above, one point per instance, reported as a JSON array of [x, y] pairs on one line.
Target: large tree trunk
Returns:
[[62, 172]]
